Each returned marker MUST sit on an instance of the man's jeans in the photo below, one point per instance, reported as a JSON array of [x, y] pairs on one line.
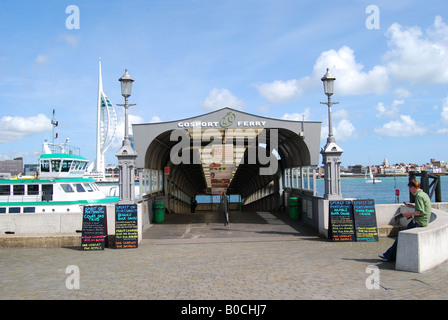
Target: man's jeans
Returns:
[[391, 253]]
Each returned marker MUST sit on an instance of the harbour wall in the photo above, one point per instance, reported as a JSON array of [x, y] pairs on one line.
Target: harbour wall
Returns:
[[59, 228]]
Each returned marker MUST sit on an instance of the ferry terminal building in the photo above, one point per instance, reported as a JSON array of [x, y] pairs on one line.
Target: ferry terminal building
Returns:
[[262, 161]]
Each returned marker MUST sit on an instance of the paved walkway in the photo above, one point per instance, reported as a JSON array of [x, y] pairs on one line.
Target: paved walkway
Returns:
[[259, 256]]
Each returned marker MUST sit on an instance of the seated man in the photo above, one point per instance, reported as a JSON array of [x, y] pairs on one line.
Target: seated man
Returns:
[[420, 218]]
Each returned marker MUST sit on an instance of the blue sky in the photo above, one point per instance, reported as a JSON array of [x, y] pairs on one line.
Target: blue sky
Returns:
[[263, 57]]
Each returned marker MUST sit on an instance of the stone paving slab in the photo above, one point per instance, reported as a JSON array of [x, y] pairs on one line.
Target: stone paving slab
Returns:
[[292, 265]]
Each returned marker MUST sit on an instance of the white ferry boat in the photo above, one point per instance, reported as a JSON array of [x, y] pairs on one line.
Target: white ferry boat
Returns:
[[57, 186]]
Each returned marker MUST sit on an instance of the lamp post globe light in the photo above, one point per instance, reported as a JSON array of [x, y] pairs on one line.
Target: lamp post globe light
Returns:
[[331, 152], [126, 84], [126, 155]]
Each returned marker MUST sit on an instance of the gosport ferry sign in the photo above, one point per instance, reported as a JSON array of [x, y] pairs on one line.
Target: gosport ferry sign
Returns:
[[225, 122]]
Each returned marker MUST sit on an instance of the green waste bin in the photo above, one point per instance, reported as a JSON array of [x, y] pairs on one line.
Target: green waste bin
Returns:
[[159, 210], [240, 206], [294, 208]]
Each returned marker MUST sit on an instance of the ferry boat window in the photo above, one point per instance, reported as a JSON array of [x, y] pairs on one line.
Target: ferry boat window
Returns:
[[18, 190], [67, 188], [88, 187], [77, 163], [55, 165], [83, 166], [5, 190], [79, 187], [47, 192], [14, 210], [29, 209], [45, 166], [33, 189], [66, 165], [3, 210]]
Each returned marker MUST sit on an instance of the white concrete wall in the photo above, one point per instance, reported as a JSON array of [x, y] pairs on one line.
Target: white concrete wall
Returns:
[[421, 249], [34, 223], [56, 223]]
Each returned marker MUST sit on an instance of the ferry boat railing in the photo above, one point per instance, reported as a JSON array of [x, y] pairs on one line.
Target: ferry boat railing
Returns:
[[22, 198]]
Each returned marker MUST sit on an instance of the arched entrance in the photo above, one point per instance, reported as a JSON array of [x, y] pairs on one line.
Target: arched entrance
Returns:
[[254, 156]]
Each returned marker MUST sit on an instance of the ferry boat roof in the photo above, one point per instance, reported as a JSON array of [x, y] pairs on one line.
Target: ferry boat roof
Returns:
[[62, 156], [52, 180]]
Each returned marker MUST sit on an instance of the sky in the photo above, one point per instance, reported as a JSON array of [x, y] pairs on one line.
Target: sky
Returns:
[[264, 57]]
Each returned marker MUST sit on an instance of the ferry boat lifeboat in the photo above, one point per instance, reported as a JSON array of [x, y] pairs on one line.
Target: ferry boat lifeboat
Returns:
[[57, 186]]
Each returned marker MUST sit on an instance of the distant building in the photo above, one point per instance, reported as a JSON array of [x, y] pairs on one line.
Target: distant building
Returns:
[[357, 169], [394, 170], [14, 167], [438, 163]]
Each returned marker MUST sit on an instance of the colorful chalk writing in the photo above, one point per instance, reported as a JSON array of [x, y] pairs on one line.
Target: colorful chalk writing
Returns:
[[365, 220], [341, 221], [126, 228], [93, 228]]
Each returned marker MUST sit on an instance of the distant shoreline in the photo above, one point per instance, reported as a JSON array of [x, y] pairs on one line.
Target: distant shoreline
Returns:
[[343, 175]]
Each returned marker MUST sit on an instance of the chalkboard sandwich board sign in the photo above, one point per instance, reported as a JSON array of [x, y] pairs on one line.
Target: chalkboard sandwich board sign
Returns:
[[93, 228], [341, 221], [126, 229], [365, 220]]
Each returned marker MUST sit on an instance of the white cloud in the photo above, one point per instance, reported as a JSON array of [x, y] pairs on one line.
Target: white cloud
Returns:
[[119, 133], [340, 114], [282, 91], [405, 127], [389, 111], [13, 154], [414, 56], [343, 131], [154, 119], [444, 113], [221, 98], [297, 116], [42, 59], [351, 79], [417, 56], [402, 93], [16, 128], [442, 131], [70, 39]]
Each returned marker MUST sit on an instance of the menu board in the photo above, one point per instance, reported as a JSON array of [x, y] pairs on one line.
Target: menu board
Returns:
[[93, 228], [365, 220], [126, 229], [341, 221]]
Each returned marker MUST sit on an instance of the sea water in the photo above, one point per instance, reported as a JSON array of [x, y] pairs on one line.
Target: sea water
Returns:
[[383, 192]]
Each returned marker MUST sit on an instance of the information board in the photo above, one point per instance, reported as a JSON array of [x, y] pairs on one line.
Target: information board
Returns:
[[365, 220], [93, 228], [126, 229], [341, 221]]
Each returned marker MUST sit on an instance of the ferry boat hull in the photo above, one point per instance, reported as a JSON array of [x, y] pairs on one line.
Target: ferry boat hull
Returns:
[[57, 192]]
